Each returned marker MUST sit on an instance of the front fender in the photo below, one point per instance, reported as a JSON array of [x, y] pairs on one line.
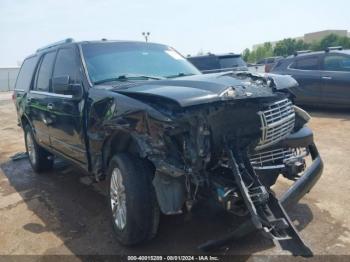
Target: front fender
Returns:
[[117, 123]]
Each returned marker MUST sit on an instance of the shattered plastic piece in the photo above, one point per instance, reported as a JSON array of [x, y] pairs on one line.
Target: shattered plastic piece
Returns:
[[19, 156]]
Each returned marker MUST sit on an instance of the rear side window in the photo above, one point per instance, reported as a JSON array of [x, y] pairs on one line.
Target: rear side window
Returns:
[[306, 63], [261, 62], [205, 63], [231, 62], [67, 65], [270, 60], [281, 64], [44, 72], [25, 75], [337, 63]]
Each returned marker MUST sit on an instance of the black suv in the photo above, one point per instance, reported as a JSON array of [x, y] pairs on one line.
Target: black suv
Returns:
[[323, 77], [164, 136], [212, 63]]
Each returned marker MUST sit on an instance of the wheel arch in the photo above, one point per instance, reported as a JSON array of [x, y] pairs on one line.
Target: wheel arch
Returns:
[[25, 121], [122, 141]]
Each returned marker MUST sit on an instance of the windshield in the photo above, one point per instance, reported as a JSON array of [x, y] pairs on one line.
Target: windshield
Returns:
[[114, 61], [231, 62]]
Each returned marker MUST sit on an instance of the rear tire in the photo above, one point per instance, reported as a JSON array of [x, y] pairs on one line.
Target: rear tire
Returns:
[[134, 210], [39, 158]]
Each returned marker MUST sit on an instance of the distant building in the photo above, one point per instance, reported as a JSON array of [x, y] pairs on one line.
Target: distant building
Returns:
[[316, 36], [8, 76], [311, 37]]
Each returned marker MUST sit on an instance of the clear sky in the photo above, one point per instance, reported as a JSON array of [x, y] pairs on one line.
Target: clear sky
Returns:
[[188, 26]]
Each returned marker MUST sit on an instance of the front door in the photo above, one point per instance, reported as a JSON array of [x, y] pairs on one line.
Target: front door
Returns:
[[66, 130], [306, 70], [336, 79]]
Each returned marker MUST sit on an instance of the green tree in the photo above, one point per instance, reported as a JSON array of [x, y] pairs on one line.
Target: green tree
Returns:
[[334, 40], [261, 52], [289, 46], [246, 54]]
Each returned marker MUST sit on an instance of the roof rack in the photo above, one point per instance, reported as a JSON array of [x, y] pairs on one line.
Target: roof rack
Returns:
[[65, 41], [301, 52], [333, 48]]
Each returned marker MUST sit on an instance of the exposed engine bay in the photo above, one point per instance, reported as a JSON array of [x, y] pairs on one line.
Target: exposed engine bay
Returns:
[[230, 146]]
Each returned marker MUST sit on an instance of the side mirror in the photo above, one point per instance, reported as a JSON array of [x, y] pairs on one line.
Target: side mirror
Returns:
[[62, 85]]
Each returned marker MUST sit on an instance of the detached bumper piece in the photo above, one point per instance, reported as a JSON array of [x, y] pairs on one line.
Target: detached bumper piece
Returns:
[[266, 213], [287, 158]]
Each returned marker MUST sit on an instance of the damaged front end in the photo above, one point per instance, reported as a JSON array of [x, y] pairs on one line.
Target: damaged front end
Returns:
[[231, 149]]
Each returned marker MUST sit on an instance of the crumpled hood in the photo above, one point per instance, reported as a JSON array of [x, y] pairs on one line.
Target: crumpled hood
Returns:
[[198, 89]]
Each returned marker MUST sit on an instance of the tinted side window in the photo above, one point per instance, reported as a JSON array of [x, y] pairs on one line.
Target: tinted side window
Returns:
[[44, 73], [337, 63], [67, 65], [25, 75], [205, 63], [231, 61], [270, 60], [307, 63]]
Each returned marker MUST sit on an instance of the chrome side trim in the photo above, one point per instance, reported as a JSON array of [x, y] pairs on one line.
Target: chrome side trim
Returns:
[[302, 70], [66, 145], [20, 90], [82, 58], [50, 94]]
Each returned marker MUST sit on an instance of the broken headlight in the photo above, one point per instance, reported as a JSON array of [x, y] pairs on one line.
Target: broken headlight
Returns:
[[301, 118], [302, 113]]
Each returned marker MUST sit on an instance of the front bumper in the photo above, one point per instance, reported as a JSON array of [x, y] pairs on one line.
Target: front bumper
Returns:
[[304, 181]]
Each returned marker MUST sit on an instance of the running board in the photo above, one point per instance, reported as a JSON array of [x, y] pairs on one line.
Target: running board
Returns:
[[266, 214]]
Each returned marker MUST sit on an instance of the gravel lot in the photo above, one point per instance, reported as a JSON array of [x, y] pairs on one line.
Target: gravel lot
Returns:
[[63, 213]]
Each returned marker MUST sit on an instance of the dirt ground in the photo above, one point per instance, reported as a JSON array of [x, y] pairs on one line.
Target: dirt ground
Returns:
[[62, 212]]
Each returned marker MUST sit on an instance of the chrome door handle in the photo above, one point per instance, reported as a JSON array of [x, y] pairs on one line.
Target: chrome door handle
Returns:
[[327, 77], [50, 106]]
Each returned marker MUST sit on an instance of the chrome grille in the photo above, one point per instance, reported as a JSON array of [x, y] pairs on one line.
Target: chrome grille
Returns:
[[277, 121], [276, 157]]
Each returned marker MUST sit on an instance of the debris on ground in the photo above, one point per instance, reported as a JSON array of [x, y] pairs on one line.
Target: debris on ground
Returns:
[[19, 156]]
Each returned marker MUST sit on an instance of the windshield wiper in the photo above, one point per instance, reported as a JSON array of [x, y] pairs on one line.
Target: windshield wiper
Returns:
[[179, 75], [127, 77]]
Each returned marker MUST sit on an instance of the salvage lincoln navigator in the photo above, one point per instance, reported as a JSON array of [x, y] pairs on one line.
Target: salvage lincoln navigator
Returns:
[[164, 136]]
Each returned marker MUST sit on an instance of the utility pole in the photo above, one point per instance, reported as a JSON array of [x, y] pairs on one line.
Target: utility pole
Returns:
[[8, 80], [146, 35]]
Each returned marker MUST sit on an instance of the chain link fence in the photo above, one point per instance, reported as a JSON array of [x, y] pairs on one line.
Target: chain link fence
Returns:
[[8, 78]]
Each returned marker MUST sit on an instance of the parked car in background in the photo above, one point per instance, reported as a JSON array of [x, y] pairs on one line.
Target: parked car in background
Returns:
[[323, 77], [269, 62], [212, 63]]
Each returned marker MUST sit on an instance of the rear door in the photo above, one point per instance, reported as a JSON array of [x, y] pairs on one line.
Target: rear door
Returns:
[[307, 71], [37, 99], [66, 112], [23, 84], [336, 79]]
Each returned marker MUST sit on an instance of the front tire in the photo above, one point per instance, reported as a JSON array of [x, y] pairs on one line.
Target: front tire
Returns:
[[133, 206], [40, 159]]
